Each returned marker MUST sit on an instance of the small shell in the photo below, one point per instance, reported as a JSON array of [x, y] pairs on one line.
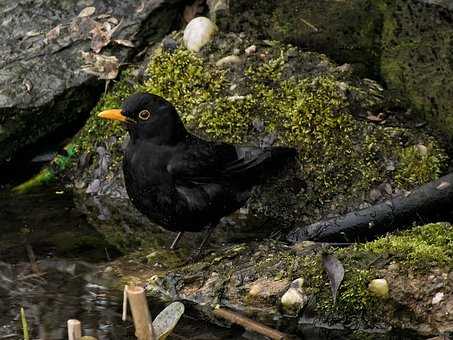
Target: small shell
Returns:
[[198, 33]]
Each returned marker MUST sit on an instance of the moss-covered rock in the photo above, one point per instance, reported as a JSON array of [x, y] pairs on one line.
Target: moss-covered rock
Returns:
[[417, 264], [276, 94], [405, 43]]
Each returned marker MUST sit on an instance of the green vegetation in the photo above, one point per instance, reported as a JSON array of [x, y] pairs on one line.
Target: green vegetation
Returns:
[[419, 164]]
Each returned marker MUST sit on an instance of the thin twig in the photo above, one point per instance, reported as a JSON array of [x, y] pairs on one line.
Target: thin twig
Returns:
[[249, 323]]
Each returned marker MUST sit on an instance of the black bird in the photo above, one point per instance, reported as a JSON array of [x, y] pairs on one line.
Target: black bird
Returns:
[[180, 181]]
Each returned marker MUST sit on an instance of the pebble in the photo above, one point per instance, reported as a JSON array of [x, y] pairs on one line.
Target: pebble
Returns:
[[294, 298], [437, 298], [250, 50], [379, 288], [198, 33], [228, 60]]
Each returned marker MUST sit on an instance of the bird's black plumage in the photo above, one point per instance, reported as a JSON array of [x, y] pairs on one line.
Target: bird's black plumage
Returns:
[[180, 181]]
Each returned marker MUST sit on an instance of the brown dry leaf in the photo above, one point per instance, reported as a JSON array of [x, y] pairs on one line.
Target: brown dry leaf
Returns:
[[87, 11], [105, 67], [124, 42], [81, 27], [53, 33], [100, 37], [373, 118], [193, 10]]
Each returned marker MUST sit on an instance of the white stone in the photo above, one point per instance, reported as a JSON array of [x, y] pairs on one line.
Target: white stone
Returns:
[[379, 288], [294, 298], [250, 50], [228, 60], [198, 33], [438, 298]]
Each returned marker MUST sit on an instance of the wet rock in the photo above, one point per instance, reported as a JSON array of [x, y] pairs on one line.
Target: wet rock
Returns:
[[42, 85], [198, 33], [379, 288]]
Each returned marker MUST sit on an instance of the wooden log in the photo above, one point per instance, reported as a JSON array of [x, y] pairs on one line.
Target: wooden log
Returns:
[[74, 329], [140, 313], [249, 324], [431, 202]]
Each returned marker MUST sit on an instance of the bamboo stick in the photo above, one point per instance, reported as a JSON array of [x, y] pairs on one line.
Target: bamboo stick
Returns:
[[249, 324], [140, 313], [74, 329], [24, 324]]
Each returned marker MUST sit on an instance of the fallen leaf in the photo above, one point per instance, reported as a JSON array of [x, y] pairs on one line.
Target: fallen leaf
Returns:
[[166, 321], [87, 11], [53, 33], [124, 42], [375, 119], [335, 273], [100, 36], [105, 67]]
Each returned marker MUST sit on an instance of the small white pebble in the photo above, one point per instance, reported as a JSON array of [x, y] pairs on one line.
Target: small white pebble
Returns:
[[228, 60], [379, 288], [437, 298], [250, 50]]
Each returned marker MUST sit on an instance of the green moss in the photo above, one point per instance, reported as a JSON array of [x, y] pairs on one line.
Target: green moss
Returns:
[[311, 112], [97, 129], [419, 164], [421, 247]]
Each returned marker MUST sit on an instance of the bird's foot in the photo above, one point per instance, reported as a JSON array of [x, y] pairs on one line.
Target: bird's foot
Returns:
[[194, 257]]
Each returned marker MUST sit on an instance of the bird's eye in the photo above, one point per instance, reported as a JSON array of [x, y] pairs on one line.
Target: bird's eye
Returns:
[[144, 115]]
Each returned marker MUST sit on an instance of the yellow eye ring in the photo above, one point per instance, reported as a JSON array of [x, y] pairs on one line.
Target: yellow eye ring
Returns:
[[144, 115]]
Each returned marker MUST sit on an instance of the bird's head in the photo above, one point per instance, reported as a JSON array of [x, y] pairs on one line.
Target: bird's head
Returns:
[[148, 117]]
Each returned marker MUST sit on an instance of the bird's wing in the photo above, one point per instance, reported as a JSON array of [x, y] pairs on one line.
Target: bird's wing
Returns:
[[222, 161], [201, 162]]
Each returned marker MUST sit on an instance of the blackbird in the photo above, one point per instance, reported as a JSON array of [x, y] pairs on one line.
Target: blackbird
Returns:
[[180, 181]]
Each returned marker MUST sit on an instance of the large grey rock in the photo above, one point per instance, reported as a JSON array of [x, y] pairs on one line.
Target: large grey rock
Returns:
[[42, 86]]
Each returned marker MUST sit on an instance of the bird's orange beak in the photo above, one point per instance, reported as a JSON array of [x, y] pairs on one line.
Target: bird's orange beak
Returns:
[[114, 114]]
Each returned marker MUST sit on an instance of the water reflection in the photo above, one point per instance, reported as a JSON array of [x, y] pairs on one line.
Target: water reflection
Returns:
[[61, 290]]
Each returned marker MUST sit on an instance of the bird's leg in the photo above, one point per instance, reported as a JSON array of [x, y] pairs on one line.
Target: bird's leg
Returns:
[[176, 241], [207, 235]]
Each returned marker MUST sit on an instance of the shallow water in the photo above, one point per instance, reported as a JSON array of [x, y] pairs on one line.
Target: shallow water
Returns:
[[52, 263]]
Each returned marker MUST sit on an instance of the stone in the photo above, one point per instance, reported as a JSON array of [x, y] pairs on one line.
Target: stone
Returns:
[[438, 298], [379, 288], [42, 86], [264, 289], [250, 50], [294, 299], [198, 33], [228, 60]]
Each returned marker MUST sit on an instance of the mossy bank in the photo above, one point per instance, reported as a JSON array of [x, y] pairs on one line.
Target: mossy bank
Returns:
[[278, 95], [252, 278], [406, 43]]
